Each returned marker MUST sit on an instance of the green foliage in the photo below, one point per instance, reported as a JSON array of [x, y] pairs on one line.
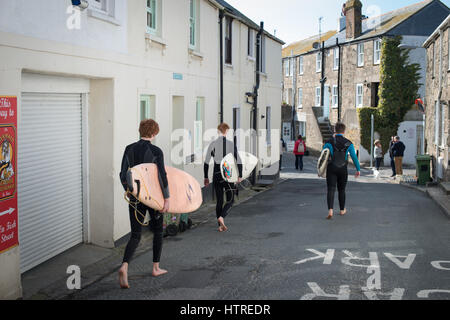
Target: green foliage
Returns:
[[399, 85]]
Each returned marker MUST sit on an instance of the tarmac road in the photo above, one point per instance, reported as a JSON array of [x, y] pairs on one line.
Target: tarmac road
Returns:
[[392, 244]]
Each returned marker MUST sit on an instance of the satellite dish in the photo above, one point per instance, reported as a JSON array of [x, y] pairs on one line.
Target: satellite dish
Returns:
[[316, 45]]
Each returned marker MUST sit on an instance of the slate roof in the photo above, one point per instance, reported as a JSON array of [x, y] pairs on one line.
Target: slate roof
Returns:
[[305, 45], [244, 19], [380, 25], [373, 27]]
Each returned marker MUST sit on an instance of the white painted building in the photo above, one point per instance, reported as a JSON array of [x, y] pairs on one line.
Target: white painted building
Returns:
[[84, 80]]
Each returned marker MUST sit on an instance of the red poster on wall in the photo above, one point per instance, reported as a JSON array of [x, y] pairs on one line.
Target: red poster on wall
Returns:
[[9, 237]]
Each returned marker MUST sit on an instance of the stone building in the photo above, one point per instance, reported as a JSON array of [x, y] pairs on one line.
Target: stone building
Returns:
[[342, 73], [437, 100]]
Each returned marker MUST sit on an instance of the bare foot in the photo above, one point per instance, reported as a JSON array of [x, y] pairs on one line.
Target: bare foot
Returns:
[[158, 272], [222, 224], [220, 229], [123, 277], [330, 215], [343, 212]]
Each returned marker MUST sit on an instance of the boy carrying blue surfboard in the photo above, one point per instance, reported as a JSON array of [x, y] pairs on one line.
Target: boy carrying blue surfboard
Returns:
[[219, 149]]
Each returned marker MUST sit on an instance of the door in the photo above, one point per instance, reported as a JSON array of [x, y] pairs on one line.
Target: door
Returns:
[[50, 171], [326, 102]]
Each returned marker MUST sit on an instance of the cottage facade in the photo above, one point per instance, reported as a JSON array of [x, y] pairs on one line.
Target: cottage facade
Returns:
[[85, 79], [342, 74], [437, 101]]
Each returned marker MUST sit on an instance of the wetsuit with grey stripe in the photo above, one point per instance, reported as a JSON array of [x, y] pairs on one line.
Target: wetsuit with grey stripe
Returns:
[[217, 150], [337, 173], [137, 153]]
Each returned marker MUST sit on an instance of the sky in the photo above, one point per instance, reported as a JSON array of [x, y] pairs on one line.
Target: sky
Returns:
[[294, 20]]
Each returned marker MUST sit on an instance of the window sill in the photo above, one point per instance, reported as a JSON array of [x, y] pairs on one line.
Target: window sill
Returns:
[[263, 74], [335, 107], [152, 38], [250, 58], [229, 66], [102, 16], [195, 53]]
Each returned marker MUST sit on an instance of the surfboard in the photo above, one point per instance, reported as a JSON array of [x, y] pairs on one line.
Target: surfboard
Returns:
[[185, 191], [322, 163], [230, 170]]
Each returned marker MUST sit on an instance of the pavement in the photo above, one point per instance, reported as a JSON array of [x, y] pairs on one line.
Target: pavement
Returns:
[[392, 244]]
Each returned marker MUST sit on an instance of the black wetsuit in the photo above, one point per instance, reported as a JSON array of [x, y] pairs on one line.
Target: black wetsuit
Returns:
[[218, 149], [337, 173], [137, 153]]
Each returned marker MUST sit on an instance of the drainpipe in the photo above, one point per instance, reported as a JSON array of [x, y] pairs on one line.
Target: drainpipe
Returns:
[[339, 80], [441, 34], [322, 80], [221, 15], [294, 95], [255, 94]]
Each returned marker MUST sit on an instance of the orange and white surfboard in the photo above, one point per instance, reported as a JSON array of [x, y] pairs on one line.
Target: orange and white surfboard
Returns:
[[185, 191]]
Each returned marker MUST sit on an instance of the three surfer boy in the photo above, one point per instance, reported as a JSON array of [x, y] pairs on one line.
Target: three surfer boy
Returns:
[[137, 153], [217, 150], [337, 173]]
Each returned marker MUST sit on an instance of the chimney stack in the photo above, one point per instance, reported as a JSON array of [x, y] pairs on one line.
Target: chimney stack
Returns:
[[353, 15]]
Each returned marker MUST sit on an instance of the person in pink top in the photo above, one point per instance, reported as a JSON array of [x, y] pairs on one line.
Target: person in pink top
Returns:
[[299, 151]]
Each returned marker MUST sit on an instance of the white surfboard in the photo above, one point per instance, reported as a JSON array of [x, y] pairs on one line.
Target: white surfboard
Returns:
[[322, 163], [229, 167]]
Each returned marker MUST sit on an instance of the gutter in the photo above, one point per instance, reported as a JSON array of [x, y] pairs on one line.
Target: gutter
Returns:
[[339, 102], [221, 15]]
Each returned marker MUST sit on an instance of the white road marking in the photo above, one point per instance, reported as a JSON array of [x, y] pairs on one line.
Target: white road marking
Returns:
[[426, 293], [327, 256], [374, 281], [406, 264], [344, 292], [396, 294], [437, 265]]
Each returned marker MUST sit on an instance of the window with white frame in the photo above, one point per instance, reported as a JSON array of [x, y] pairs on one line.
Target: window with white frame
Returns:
[[336, 58], [300, 65], [193, 24], [199, 124], [262, 55], [360, 54], [319, 62], [317, 99], [103, 10], [99, 5], [291, 97], [286, 67], [268, 124], [291, 67], [439, 124], [300, 97], [251, 43], [377, 51], [359, 95], [152, 16], [334, 97], [228, 40]]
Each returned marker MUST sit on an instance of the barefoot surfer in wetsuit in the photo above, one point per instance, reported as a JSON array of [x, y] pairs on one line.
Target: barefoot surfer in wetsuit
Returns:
[[337, 173], [218, 149], [137, 153]]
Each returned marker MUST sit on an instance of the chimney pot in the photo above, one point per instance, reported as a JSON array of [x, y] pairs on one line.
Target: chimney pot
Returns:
[[353, 15]]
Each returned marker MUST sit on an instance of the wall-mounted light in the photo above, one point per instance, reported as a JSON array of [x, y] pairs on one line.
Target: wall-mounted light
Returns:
[[82, 4]]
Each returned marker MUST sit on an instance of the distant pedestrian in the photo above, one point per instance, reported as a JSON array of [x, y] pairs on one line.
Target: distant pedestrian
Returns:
[[282, 149], [299, 151], [378, 153], [391, 155], [398, 151]]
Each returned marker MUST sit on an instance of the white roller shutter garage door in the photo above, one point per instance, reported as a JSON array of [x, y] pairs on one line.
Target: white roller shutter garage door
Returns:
[[50, 173]]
